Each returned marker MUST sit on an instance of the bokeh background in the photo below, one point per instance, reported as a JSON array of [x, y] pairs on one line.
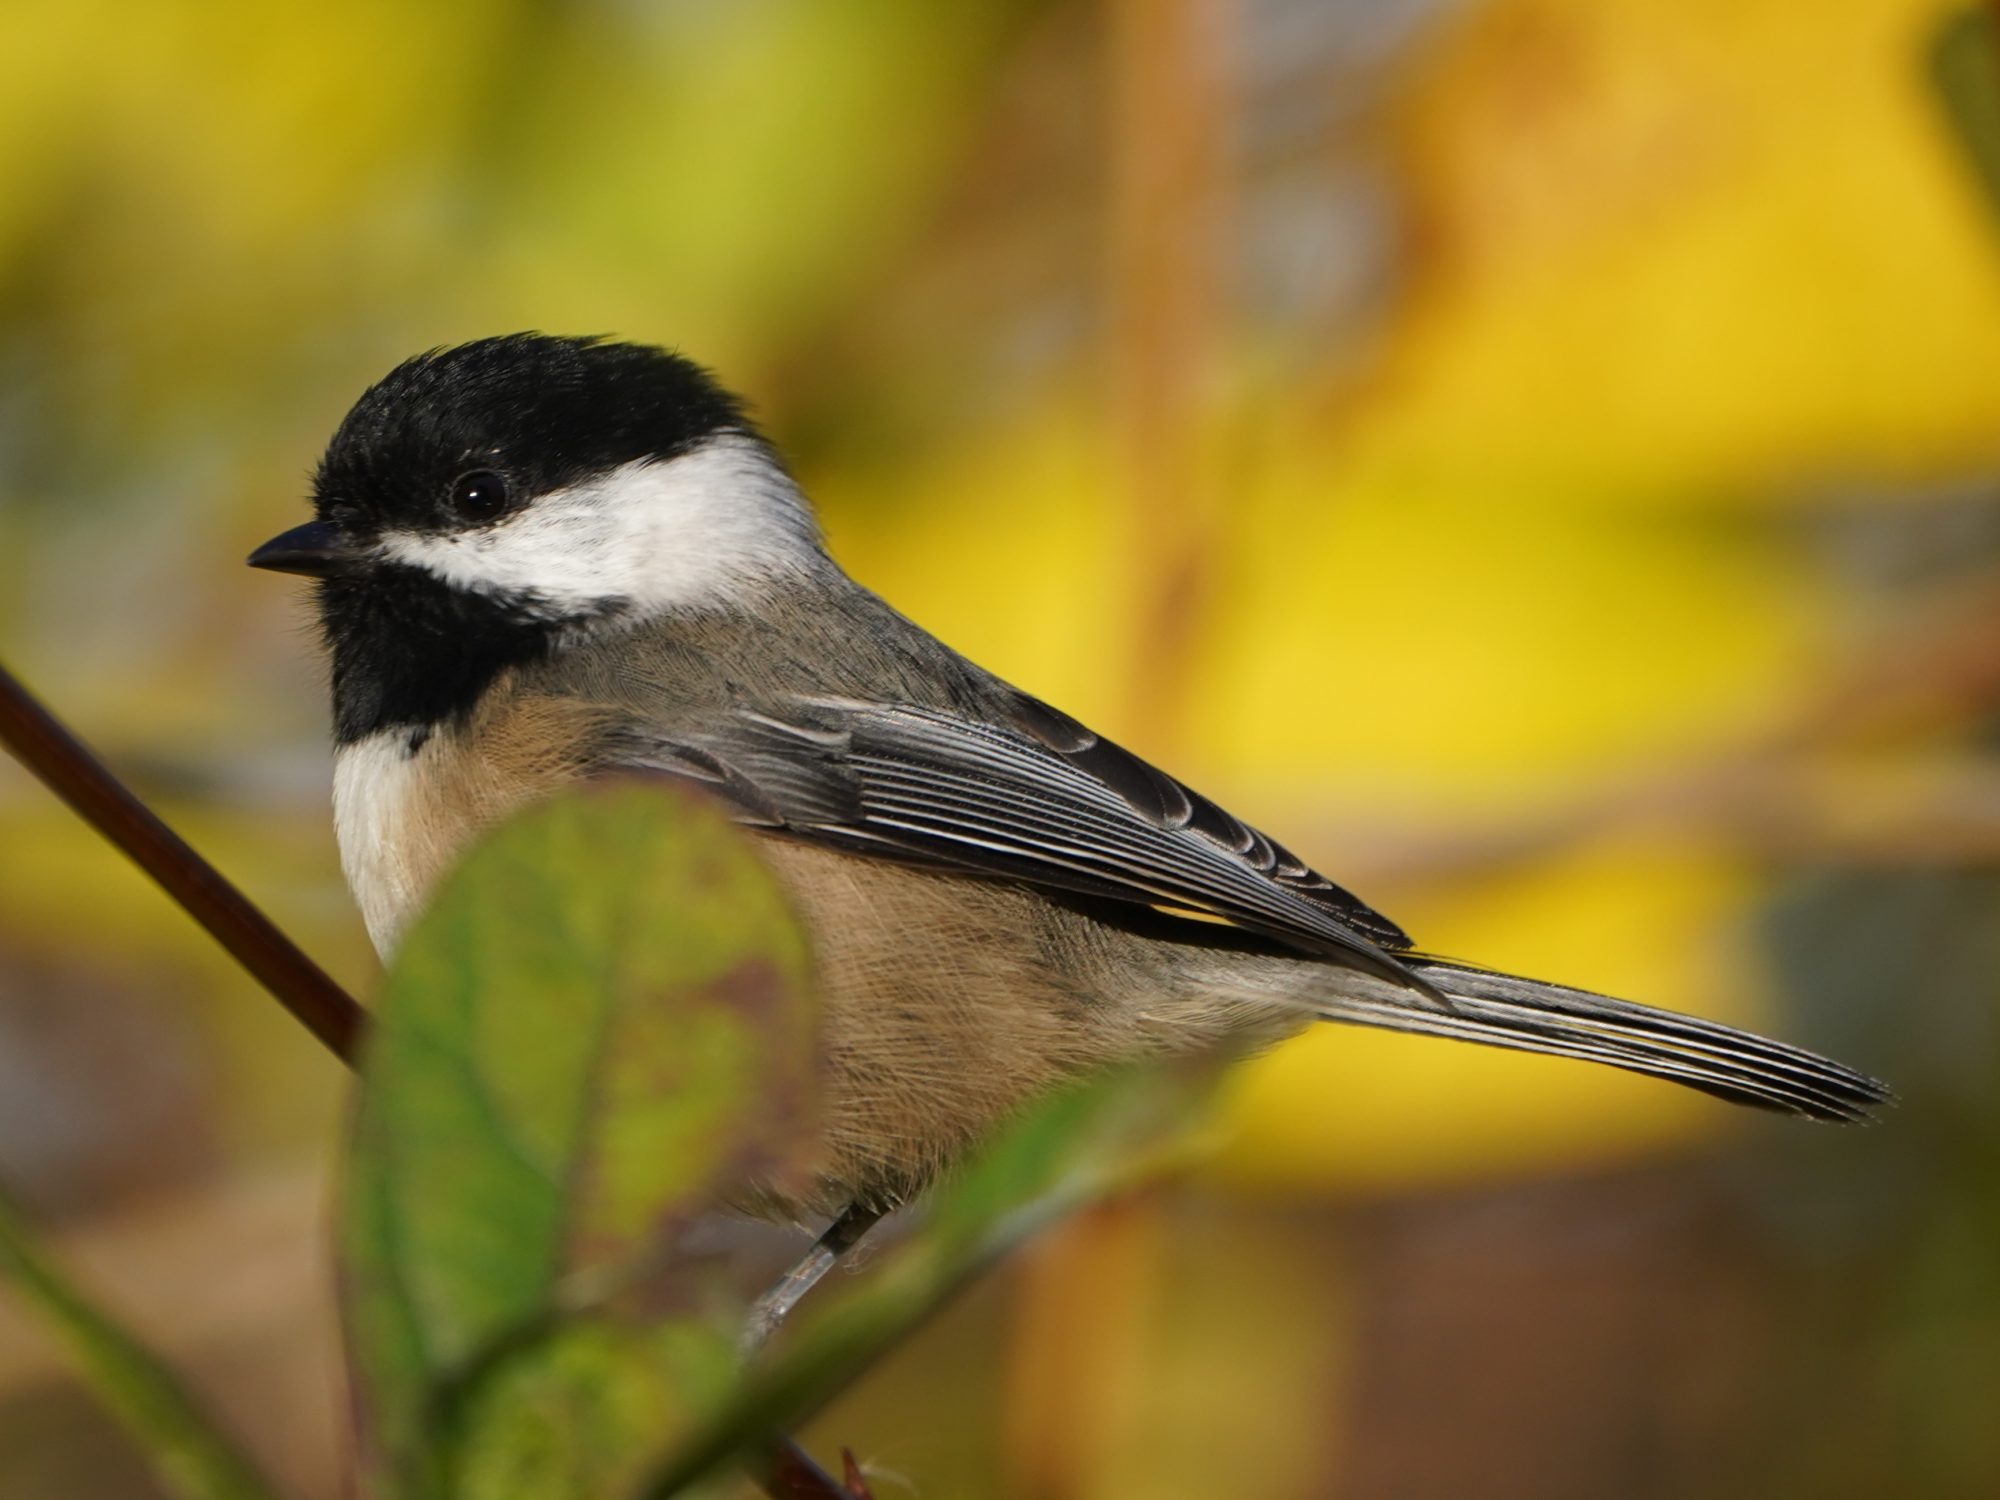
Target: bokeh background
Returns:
[[1540, 457]]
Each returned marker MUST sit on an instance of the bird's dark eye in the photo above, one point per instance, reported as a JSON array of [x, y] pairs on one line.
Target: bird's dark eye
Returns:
[[480, 496]]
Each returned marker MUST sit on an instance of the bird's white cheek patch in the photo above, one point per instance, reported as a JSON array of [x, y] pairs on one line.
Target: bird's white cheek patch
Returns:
[[648, 536]]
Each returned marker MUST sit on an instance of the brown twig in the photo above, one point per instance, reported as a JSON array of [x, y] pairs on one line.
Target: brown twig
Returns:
[[1171, 94], [69, 770], [792, 1475], [857, 1482], [59, 759], [1780, 792]]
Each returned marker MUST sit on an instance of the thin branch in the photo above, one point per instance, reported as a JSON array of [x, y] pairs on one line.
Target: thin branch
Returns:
[[69, 770], [856, 1481], [1780, 791], [59, 759], [1172, 95], [792, 1475]]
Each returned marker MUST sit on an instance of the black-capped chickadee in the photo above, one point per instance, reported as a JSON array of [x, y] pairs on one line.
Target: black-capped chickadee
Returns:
[[541, 559]]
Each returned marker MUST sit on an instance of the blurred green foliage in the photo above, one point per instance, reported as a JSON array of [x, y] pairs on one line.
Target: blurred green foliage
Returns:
[[1965, 61], [601, 1025], [193, 1458]]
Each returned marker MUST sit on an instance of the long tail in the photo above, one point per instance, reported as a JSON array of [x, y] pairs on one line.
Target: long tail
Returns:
[[1502, 1010]]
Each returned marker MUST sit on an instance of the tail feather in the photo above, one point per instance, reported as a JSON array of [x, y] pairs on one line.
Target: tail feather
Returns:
[[1502, 1010]]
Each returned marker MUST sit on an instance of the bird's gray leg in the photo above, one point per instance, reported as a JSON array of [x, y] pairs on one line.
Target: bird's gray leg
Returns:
[[776, 1305]]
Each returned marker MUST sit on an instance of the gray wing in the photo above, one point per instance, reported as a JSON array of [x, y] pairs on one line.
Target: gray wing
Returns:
[[1037, 799]]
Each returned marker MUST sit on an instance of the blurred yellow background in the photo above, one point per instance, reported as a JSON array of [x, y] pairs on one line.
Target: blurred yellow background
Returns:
[[1537, 456]]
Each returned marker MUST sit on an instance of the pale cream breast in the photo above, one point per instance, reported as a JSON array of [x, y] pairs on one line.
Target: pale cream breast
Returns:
[[378, 789], [406, 804]]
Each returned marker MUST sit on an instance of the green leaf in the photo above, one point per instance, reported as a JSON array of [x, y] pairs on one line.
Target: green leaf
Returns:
[[1073, 1149], [581, 1411], [189, 1453], [601, 1024], [1965, 69]]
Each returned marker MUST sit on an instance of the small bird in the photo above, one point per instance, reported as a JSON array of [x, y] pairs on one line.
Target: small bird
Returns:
[[544, 559]]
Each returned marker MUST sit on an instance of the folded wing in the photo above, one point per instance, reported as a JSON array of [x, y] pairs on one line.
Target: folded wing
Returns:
[[1030, 796]]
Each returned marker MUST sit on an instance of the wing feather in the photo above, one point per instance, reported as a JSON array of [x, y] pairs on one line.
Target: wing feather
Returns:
[[1038, 799]]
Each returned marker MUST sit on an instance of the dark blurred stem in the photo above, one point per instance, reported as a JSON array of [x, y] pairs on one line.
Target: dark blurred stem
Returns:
[[69, 770], [857, 1482], [792, 1475], [40, 742]]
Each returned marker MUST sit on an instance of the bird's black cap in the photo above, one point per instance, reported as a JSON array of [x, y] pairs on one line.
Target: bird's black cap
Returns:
[[544, 411], [534, 411]]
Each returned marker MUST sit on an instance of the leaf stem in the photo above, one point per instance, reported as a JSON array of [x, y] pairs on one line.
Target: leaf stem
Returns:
[[192, 1456]]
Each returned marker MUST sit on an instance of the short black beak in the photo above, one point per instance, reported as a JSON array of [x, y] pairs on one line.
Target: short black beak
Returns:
[[314, 550]]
